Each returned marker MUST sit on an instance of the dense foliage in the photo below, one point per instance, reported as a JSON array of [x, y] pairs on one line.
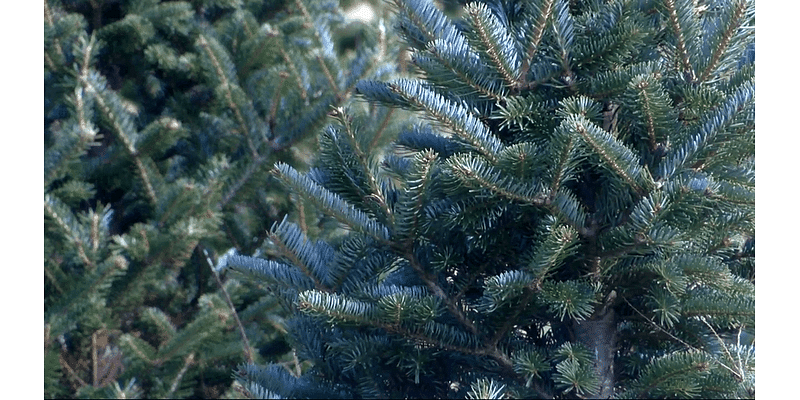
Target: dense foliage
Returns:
[[162, 122], [573, 218]]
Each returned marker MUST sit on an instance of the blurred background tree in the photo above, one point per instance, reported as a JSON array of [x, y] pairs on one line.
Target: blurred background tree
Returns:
[[162, 121]]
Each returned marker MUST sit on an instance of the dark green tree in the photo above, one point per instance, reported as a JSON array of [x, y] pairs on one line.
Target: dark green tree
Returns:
[[162, 122], [574, 219]]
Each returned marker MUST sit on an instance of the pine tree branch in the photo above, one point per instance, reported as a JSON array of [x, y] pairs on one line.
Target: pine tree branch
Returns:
[[381, 130], [376, 194], [453, 116], [49, 275], [430, 282], [47, 60], [329, 77], [734, 24], [252, 167], [486, 351], [474, 172], [647, 106], [331, 203], [498, 45], [188, 361], [129, 340], [225, 84], [666, 370], [119, 122], [563, 25], [563, 159], [295, 72], [50, 21], [713, 122], [678, 31], [73, 236], [71, 371], [688, 346], [95, 381], [338, 307], [458, 62], [657, 326], [409, 210], [58, 158], [276, 97], [122, 135], [427, 20], [535, 38], [297, 261], [301, 211], [248, 355], [738, 374], [738, 354], [617, 157], [94, 233]]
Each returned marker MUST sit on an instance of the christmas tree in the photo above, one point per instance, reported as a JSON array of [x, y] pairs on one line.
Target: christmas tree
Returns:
[[573, 216], [163, 120]]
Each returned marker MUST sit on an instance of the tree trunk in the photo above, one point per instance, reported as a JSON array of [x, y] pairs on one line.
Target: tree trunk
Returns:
[[599, 334]]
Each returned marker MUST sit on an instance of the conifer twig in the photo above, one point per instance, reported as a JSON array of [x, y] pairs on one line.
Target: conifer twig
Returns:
[[681, 46], [724, 347], [94, 359], [377, 194], [100, 94], [71, 371], [301, 210], [430, 281], [248, 355], [295, 72], [738, 353], [675, 337], [48, 274], [178, 378], [228, 93], [380, 130], [251, 169], [538, 33], [608, 158], [657, 326], [73, 237], [139, 351], [477, 12], [740, 9], [48, 18], [651, 125], [329, 77], [304, 11]]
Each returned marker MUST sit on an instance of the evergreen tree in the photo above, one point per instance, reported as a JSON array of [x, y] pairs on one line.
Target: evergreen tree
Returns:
[[574, 218], [162, 122]]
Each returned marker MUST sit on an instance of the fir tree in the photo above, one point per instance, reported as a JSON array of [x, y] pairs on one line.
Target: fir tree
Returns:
[[575, 218], [162, 122]]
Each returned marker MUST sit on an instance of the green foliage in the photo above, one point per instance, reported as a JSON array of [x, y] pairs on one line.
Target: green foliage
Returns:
[[162, 122], [575, 220]]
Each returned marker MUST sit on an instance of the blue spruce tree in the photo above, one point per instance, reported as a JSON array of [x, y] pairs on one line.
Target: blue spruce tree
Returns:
[[574, 217]]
